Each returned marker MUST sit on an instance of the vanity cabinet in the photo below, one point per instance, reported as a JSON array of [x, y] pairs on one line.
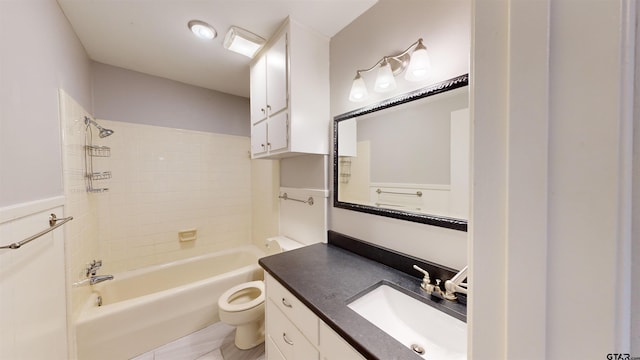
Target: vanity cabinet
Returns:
[[293, 331], [290, 94]]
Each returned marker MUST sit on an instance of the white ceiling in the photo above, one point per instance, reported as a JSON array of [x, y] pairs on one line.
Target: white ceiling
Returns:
[[151, 36]]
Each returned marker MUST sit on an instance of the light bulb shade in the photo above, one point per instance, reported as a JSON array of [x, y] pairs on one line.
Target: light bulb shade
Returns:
[[419, 66], [385, 80], [242, 41], [358, 89], [202, 30]]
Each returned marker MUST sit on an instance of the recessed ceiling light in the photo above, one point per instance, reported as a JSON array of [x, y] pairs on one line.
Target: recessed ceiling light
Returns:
[[242, 41], [202, 30]]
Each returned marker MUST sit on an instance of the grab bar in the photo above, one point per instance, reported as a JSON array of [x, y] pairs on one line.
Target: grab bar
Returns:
[[53, 224], [309, 201], [417, 193]]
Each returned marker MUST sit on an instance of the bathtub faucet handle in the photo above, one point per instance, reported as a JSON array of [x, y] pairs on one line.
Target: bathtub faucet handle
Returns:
[[93, 266]]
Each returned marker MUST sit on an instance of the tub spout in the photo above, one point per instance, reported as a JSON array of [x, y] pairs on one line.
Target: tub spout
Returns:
[[96, 279]]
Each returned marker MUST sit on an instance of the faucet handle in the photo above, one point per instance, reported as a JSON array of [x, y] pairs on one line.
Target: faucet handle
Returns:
[[92, 267], [426, 281], [425, 272]]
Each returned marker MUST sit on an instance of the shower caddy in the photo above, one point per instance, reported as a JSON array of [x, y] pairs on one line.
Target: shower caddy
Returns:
[[92, 151]]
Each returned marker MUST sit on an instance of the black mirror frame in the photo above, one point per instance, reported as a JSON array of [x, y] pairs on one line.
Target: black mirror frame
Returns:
[[435, 220]]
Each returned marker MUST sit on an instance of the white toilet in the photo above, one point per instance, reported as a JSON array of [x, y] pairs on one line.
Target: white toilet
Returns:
[[243, 305]]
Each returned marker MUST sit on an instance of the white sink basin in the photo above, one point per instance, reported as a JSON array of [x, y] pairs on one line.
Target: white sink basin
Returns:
[[413, 322]]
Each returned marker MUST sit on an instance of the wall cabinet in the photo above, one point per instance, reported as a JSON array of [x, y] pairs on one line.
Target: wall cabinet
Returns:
[[295, 332], [269, 81], [270, 135], [290, 94]]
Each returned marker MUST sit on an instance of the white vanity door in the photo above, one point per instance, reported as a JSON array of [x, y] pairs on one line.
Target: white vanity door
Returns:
[[333, 347]]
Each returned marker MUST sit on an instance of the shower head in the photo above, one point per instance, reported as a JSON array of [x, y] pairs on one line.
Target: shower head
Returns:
[[103, 132]]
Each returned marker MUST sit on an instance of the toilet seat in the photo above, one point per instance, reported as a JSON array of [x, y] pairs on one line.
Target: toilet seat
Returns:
[[226, 305]]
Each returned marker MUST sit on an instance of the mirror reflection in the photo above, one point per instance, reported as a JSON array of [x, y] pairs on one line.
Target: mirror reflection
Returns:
[[407, 157]]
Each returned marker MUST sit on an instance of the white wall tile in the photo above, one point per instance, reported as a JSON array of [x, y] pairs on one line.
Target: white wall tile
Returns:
[[166, 180]]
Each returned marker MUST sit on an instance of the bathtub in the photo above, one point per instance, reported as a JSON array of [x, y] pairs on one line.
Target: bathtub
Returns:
[[146, 308]]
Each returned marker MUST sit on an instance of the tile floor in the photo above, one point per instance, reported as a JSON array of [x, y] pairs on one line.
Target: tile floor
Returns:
[[207, 344]]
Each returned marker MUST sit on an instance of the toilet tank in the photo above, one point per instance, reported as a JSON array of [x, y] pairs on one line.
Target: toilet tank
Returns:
[[278, 244]]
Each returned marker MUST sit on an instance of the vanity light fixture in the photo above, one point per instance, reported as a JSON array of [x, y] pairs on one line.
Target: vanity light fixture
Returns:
[[415, 60], [202, 30], [242, 41]]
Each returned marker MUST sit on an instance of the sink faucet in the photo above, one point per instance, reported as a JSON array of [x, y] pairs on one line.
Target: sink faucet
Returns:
[[96, 279], [426, 284], [452, 286], [456, 285]]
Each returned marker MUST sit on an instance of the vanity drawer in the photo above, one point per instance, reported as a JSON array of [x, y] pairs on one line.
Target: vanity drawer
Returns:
[[272, 351], [293, 308], [287, 337]]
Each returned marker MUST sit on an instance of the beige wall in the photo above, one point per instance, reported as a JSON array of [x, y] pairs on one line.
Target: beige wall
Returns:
[[387, 28]]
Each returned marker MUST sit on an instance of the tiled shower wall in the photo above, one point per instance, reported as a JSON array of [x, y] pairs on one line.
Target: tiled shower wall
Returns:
[[165, 180], [81, 234]]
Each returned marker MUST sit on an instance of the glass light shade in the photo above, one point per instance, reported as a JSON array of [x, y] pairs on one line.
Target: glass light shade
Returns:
[[385, 80], [243, 42], [202, 30], [419, 66], [358, 89]]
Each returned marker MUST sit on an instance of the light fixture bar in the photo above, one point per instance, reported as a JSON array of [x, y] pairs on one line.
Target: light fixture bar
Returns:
[[414, 59], [397, 59]]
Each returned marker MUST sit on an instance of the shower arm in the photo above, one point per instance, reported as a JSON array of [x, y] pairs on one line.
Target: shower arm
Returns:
[[88, 120], [103, 132]]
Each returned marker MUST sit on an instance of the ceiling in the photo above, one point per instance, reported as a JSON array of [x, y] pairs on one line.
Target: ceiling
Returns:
[[151, 36]]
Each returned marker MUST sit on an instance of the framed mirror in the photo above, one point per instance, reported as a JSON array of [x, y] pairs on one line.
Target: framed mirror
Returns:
[[407, 157]]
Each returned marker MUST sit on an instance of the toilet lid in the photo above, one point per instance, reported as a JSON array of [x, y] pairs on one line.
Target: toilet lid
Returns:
[[224, 304]]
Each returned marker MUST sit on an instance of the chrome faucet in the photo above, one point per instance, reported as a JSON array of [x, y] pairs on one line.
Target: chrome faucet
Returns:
[[96, 279], [90, 274]]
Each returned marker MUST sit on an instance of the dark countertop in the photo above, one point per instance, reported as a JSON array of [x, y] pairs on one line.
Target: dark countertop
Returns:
[[326, 278]]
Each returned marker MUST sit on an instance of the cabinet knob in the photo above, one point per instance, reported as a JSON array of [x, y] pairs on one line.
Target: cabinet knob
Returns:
[[262, 109]]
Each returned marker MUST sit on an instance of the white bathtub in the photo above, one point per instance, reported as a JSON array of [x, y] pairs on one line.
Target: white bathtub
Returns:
[[146, 308]]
